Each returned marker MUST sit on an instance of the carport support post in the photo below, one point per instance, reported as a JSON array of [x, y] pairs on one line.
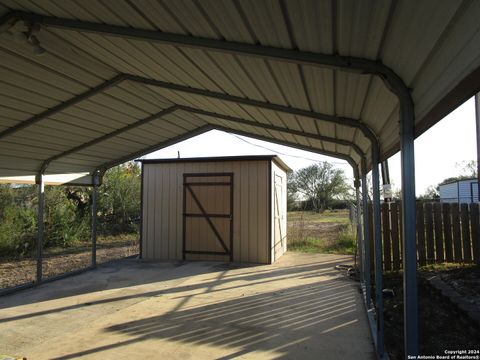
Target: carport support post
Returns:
[[366, 242], [359, 228], [96, 181], [410, 295], [377, 237], [477, 121], [40, 223]]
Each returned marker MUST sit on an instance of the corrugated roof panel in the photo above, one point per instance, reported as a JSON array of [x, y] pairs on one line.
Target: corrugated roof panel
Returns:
[[77, 61], [161, 17], [20, 163], [458, 54], [296, 139], [255, 114], [23, 59], [13, 149], [26, 67], [52, 40], [289, 76], [238, 74], [319, 84], [6, 122], [311, 24], [72, 9], [351, 90], [36, 86], [185, 120], [378, 105], [23, 5], [126, 11], [215, 71], [9, 110], [261, 71], [360, 27], [283, 120], [344, 149], [329, 146], [266, 20], [126, 93], [416, 27], [192, 17], [3, 9], [226, 19], [20, 93]]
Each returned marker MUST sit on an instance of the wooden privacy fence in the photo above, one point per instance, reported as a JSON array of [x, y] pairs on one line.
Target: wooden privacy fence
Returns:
[[446, 232]]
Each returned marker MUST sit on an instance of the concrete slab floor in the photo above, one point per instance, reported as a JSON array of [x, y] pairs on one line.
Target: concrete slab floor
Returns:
[[298, 308]]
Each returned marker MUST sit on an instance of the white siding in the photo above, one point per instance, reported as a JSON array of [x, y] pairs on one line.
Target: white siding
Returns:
[[463, 191]]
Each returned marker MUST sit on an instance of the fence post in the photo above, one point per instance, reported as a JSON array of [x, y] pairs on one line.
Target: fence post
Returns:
[[429, 233], [457, 239], [437, 213], [447, 231], [475, 221], [467, 251], [421, 236]]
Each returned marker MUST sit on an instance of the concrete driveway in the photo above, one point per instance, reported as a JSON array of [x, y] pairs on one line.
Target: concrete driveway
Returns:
[[298, 308]]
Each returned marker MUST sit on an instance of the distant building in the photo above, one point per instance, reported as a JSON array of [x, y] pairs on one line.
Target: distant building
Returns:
[[460, 191]]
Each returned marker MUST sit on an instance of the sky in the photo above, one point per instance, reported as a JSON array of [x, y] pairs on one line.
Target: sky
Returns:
[[438, 152]]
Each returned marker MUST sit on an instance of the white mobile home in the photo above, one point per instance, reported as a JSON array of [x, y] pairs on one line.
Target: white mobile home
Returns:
[[461, 191]]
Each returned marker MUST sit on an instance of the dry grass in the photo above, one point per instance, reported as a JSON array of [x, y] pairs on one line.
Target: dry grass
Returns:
[[328, 232]]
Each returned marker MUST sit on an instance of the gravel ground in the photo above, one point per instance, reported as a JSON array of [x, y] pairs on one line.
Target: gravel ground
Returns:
[[18, 272]]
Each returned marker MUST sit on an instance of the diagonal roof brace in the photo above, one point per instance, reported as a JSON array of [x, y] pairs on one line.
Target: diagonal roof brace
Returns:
[[64, 105], [108, 136]]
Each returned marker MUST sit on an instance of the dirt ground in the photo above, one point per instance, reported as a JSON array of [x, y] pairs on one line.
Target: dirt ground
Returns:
[[442, 326], [16, 272]]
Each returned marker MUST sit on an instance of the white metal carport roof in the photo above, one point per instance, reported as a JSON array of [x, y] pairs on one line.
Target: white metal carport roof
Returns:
[[119, 78], [353, 79]]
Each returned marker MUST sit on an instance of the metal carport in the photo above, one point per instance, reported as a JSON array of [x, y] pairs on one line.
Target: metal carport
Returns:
[[358, 80]]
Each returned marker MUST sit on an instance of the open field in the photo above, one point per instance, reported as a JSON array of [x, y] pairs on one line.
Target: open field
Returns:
[[327, 232]]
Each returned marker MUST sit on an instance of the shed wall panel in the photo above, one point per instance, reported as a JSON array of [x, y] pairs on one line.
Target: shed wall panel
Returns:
[[163, 206]]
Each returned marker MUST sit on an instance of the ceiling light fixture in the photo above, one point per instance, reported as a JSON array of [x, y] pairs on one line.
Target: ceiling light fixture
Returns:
[[24, 33]]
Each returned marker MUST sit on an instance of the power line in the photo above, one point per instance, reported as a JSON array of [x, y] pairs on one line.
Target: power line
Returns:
[[281, 153]]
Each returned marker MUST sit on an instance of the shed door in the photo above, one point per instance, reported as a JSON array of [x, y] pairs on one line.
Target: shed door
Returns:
[[208, 216]]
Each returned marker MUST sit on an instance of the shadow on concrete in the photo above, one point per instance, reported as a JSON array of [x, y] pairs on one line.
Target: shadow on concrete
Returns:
[[296, 323], [134, 272]]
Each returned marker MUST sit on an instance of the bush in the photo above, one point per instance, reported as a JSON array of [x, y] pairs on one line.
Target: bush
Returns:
[[67, 212], [64, 224], [17, 231]]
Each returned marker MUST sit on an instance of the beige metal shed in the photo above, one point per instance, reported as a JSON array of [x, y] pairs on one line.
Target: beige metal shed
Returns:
[[222, 208]]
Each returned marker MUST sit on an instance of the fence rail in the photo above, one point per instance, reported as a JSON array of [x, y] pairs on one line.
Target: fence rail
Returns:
[[446, 232]]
